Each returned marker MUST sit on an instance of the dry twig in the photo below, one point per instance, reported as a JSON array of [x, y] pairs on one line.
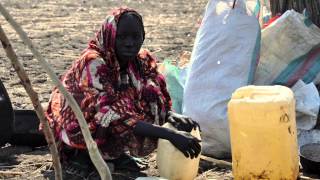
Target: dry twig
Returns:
[[11, 173], [40, 168], [219, 163], [123, 175], [304, 178], [24, 165]]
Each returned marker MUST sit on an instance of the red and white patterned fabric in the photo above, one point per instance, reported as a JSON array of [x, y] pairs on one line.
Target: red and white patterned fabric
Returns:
[[111, 102]]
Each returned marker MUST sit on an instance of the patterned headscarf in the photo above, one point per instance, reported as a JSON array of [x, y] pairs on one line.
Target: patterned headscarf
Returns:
[[104, 41]]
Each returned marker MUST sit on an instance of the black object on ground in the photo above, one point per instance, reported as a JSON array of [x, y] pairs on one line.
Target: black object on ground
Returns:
[[26, 129], [310, 157], [6, 116]]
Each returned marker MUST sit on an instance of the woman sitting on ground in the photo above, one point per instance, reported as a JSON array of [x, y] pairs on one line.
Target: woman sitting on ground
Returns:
[[122, 96]]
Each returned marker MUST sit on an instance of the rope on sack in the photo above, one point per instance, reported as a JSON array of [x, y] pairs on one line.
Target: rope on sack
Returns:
[[234, 4]]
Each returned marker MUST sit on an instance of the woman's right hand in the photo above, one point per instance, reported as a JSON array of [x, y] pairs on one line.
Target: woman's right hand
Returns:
[[186, 143], [183, 141]]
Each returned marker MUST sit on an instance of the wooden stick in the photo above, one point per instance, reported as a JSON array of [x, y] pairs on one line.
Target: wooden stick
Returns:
[[11, 173], [18, 67], [219, 163], [304, 177], [24, 165], [94, 153], [234, 3]]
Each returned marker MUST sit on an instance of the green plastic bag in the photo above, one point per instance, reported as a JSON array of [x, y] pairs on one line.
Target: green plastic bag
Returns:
[[174, 86]]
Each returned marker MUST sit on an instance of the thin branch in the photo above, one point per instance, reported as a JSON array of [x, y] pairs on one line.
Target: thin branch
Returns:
[[219, 163], [35, 101], [11, 173], [234, 4], [24, 165], [94, 153], [304, 177]]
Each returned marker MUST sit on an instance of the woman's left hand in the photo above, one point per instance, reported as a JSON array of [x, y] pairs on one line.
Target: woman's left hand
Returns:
[[181, 122]]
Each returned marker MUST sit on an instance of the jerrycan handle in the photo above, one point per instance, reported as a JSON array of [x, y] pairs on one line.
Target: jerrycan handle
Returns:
[[257, 94]]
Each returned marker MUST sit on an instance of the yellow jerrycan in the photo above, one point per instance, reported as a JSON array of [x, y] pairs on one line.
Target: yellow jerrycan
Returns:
[[172, 164], [263, 133]]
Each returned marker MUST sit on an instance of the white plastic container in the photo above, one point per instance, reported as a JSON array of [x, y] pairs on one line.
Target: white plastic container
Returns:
[[172, 163]]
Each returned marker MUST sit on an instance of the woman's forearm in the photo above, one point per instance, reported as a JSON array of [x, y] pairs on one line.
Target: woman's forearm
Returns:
[[151, 130]]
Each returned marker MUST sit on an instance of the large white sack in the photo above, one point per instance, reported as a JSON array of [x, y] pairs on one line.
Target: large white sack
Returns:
[[307, 105], [223, 59], [290, 50]]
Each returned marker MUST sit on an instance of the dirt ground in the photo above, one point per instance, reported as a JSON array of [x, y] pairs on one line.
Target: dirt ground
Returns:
[[60, 31]]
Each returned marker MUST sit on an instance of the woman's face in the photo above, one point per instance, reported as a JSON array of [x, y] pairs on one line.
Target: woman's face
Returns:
[[129, 38]]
